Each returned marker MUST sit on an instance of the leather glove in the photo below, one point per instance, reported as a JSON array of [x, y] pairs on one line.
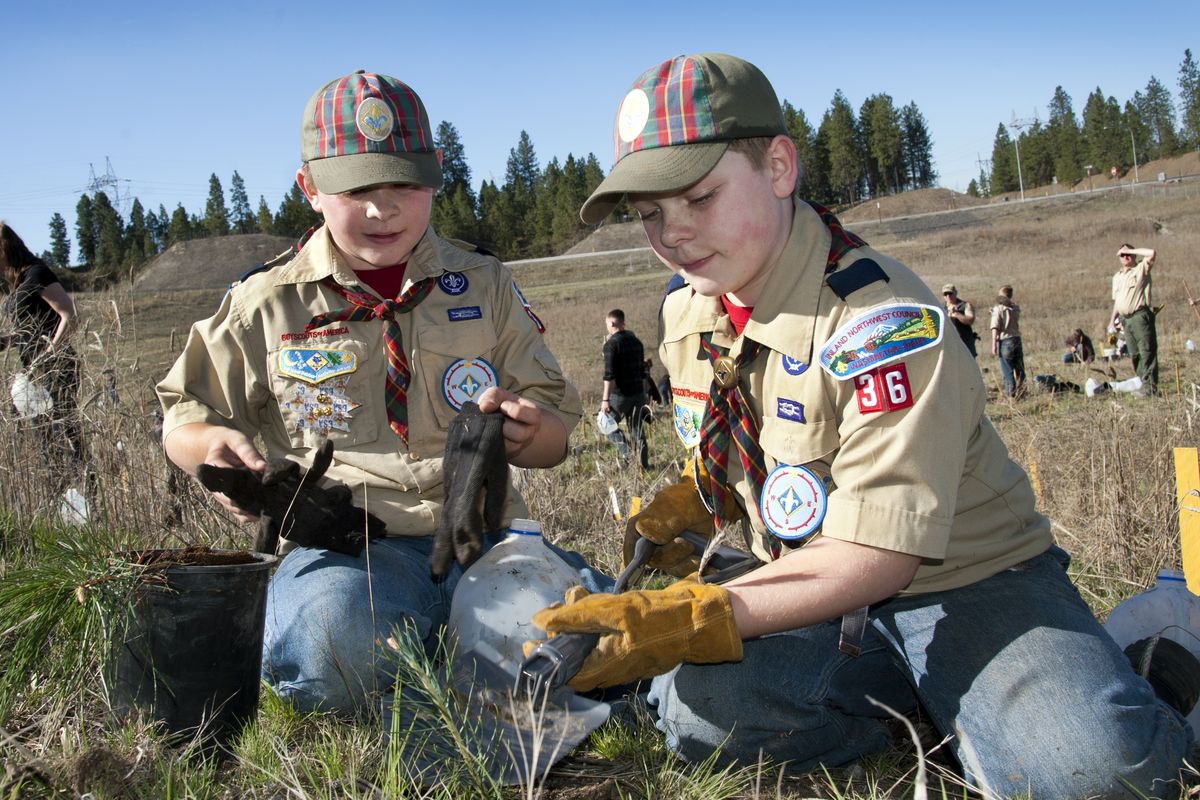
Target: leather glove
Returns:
[[289, 503], [674, 509], [645, 633], [475, 479]]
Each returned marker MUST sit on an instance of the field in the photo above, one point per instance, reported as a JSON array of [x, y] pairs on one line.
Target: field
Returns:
[[1102, 468]]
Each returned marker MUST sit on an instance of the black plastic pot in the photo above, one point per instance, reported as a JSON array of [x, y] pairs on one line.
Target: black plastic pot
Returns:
[[189, 653]]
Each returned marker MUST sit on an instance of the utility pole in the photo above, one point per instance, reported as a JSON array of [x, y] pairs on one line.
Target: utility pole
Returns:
[[110, 184], [1133, 144], [1018, 125]]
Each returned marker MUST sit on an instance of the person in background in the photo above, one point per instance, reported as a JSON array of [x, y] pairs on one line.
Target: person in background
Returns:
[[1133, 308], [903, 563], [40, 317], [624, 391], [1006, 342], [1079, 348], [962, 314]]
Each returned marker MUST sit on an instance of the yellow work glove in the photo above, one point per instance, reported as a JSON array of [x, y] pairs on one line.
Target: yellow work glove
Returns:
[[645, 633], [674, 509]]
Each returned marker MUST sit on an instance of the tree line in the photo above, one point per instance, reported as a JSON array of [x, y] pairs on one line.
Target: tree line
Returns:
[[880, 149], [1110, 136]]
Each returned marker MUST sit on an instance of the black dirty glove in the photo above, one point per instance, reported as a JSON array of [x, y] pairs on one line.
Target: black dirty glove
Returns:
[[289, 503], [475, 463]]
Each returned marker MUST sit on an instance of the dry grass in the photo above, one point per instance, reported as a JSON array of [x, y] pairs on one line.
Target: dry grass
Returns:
[[1103, 467]]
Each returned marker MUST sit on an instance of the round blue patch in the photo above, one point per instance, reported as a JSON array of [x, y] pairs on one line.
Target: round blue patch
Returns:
[[453, 283], [794, 366], [465, 380], [793, 502]]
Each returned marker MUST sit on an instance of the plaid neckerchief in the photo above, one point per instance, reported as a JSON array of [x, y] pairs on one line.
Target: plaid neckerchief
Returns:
[[727, 402], [364, 307]]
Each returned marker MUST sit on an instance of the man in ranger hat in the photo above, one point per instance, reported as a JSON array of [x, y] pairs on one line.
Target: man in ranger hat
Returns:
[[903, 561], [371, 337]]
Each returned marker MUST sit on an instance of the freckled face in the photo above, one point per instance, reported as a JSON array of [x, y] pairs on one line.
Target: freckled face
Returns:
[[724, 233], [374, 227]]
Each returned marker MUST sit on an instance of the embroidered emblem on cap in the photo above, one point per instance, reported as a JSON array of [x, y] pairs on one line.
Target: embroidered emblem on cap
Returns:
[[794, 366], [453, 283], [790, 410], [879, 336], [315, 366], [687, 425], [374, 119], [465, 380], [793, 502], [633, 114]]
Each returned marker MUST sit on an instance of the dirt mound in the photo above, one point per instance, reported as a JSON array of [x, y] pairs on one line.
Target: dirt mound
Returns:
[[918, 201], [613, 236], [208, 263]]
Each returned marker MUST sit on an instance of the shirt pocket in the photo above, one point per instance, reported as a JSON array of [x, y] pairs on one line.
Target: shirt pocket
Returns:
[[331, 393], [455, 363]]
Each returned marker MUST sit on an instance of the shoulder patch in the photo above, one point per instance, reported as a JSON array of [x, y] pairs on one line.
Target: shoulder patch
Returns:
[[863, 272], [878, 336]]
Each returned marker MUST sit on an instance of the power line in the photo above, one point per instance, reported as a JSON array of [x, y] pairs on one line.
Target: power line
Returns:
[[110, 184]]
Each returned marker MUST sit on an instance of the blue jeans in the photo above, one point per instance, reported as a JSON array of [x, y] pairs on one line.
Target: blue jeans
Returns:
[[1012, 366], [329, 614], [1036, 696]]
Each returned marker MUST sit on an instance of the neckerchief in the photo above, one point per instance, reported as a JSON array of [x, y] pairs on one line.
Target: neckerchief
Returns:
[[364, 307]]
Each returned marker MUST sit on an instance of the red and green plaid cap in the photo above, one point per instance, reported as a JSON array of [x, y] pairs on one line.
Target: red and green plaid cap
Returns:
[[367, 129], [676, 122]]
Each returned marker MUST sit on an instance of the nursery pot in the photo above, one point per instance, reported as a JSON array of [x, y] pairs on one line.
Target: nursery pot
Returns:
[[189, 651]]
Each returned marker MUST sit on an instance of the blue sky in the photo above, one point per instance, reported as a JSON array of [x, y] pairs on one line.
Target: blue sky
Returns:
[[170, 93]]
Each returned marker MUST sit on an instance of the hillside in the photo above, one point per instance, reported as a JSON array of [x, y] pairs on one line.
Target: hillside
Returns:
[[209, 263]]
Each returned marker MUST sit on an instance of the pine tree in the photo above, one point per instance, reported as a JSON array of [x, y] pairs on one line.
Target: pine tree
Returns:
[[1105, 141], [161, 231], [972, 189], [1066, 142], [497, 220], [60, 244], [1004, 163], [918, 148], [85, 230], [1189, 101], [521, 175], [264, 222], [180, 227], [846, 159], [455, 170], [216, 215], [1157, 112], [880, 122], [1138, 132], [110, 245], [241, 218], [152, 244], [1037, 155], [135, 236], [803, 136], [454, 207], [295, 215]]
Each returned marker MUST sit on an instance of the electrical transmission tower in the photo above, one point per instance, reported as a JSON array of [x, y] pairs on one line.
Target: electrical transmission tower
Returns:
[[1019, 125], [110, 184]]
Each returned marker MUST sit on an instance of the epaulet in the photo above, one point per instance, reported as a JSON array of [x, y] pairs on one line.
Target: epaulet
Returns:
[[864, 272], [282, 258], [470, 247]]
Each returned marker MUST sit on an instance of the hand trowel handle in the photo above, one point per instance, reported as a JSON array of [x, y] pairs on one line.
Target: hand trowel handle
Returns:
[[554, 662]]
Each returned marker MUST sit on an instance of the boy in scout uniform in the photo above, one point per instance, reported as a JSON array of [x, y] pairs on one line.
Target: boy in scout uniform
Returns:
[[902, 558], [313, 351]]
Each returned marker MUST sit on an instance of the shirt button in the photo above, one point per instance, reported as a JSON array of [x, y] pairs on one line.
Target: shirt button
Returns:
[[414, 457]]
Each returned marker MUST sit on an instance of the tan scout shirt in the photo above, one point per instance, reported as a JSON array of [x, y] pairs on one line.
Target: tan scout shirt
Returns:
[[933, 479], [235, 371], [1006, 321], [1131, 288]]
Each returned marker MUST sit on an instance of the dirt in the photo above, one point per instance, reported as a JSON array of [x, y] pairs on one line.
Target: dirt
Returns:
[[193, 556], [209, 263]]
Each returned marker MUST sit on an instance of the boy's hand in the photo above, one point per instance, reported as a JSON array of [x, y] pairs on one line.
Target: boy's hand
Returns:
[[645, 633], [227, 447], [532, 437]]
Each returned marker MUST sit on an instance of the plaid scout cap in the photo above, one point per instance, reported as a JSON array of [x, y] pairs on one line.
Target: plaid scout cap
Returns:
[[676, 122], [366, 129]]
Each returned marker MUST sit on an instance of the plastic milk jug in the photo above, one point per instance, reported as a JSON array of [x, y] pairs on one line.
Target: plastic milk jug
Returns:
[[497, 596], [1167, 608]]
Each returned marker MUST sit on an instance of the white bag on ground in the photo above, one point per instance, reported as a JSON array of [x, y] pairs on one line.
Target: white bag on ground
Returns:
[[29, 397]]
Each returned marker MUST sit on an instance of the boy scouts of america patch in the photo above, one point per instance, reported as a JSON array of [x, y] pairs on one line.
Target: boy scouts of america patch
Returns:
[[465, 380], [374, 119], [879, 336], [687, 424], [793, 502], [528, 309], [313, 366]]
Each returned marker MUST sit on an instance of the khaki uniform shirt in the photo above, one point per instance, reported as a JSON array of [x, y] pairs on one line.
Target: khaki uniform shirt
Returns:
[[246, 367], [1006, 321], [932, 479], [1131, 289]]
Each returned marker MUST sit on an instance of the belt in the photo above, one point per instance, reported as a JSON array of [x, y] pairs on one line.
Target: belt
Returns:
[[1135, 312]]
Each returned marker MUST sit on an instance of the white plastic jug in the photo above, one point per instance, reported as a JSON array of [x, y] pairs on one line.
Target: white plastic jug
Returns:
[[1167, 608], [497, 596]]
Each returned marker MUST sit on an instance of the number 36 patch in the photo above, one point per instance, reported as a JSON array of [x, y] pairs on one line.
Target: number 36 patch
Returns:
[[883, 389]]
